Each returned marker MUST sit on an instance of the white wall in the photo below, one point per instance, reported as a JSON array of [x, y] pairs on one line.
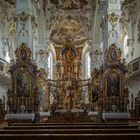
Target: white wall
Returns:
[[132, 30], [6, 22]]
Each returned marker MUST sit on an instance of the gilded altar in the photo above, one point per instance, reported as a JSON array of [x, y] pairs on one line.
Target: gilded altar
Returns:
[[68, 62], [23, 96], [115, 96], [107, 88], [67, 89]]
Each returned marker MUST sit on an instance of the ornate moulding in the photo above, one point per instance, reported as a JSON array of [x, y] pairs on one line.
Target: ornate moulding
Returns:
[[23, 54]]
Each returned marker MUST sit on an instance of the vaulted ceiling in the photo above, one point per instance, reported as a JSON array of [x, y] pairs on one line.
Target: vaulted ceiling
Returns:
[[77, 27], [68, 31]]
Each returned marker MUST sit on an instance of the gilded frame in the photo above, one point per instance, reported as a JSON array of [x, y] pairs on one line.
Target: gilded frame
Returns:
[[23, 54], [117, 53]]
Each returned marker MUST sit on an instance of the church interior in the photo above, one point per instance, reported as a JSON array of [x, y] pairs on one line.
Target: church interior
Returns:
[[69, 69]]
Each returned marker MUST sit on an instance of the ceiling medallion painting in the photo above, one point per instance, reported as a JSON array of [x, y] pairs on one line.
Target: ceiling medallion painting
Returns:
[[68, 32], [69, 4]]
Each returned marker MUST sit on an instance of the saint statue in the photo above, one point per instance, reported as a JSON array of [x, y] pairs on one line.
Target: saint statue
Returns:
[[68, 99]]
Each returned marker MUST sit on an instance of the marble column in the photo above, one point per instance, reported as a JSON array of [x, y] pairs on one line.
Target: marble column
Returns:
[[24, 24]]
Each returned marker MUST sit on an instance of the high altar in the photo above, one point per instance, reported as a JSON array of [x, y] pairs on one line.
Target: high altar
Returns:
[[68, 85]]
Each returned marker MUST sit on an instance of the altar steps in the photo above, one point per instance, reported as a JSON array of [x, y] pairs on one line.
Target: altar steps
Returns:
[[82, 124], [68, 131], [70, 126], [38, 136]]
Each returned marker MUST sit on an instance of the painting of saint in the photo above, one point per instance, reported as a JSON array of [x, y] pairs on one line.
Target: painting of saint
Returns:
[[22, 85], [113, 85], [113, 54], [23, 54]]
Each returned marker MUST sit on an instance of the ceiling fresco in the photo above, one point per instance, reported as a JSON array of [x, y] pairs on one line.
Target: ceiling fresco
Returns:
[[69, 4], [68, 32]]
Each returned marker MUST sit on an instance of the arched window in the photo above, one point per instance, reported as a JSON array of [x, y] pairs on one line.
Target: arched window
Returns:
[[7, 49], [87, 66], [125, 45], [50, 66]]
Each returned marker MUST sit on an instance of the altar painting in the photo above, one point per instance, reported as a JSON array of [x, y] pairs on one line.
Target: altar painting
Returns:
[[113, 85], [23, 84]]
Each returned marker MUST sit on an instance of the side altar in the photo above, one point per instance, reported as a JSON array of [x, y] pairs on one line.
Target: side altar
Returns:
[[23, 100], [108, 94]]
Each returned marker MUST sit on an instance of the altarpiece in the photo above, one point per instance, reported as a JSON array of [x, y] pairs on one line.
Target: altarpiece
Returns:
[[23, 96]]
